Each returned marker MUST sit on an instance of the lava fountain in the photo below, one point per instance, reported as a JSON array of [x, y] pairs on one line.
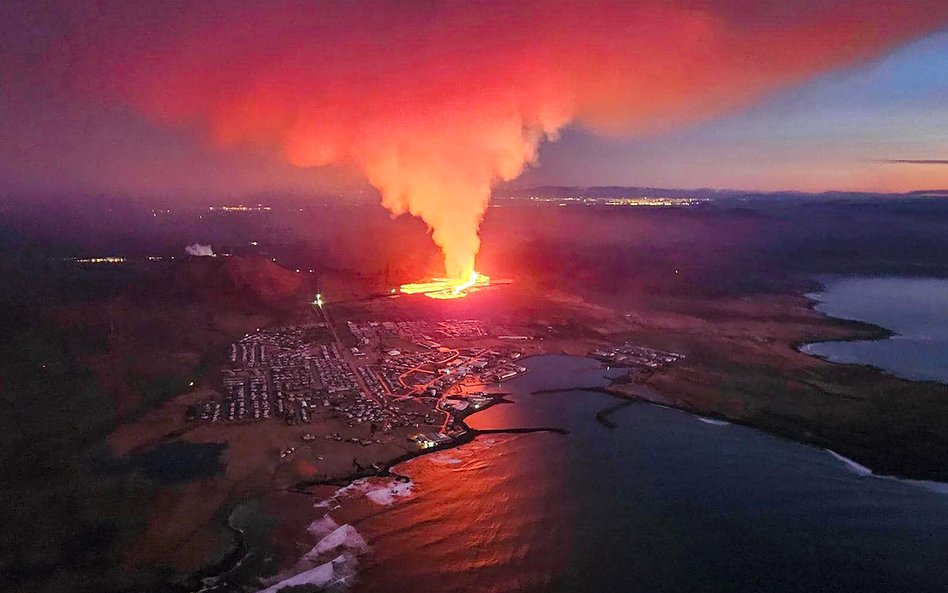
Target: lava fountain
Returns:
[[447, 288]]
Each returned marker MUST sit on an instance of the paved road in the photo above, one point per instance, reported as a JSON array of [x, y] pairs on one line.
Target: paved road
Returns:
[[346, 356]]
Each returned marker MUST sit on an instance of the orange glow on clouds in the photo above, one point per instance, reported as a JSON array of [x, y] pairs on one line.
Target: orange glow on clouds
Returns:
[[434, 102]]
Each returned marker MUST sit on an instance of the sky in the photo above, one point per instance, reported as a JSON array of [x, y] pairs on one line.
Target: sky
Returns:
[[74, 118], [843, 130]]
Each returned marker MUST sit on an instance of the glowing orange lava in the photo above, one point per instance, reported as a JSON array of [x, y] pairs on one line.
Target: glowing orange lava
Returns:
[[447, 288]]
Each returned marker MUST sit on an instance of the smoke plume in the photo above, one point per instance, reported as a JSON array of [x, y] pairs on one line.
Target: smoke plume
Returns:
[[434, 102], [200, 250]]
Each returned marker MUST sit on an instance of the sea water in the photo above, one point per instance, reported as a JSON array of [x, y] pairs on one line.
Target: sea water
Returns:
[[663, 502], [915, 309]]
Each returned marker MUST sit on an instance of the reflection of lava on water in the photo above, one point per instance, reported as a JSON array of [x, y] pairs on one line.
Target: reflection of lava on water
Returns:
[[447, 288]]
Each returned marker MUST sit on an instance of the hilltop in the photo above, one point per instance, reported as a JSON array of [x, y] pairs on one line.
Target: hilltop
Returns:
[[239, 280]]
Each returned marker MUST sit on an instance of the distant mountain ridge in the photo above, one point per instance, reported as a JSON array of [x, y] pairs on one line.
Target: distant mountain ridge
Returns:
[[615, 191]]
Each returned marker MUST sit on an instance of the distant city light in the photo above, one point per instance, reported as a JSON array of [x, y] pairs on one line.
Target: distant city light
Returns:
[[630, 201], [240, 208], [98, 260]]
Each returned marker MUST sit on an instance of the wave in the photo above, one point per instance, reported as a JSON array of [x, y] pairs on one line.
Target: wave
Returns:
[[856, 468], [337, 570], [444, 459], [861, 470], [332, 501], [939, 487], [386, 495], [332, 561], [322, 527], [344, 536], [713, 421], [382, 493]]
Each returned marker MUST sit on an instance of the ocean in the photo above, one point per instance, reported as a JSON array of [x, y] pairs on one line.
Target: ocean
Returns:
[[915, 309], [665, 501]]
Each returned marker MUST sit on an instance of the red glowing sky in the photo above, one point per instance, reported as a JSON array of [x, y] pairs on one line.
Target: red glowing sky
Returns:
[[227, 96], [432, 103], [90, 86]]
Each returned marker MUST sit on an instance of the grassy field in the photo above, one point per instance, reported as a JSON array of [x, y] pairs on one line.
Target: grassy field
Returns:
[[83, 353], [743, 364]]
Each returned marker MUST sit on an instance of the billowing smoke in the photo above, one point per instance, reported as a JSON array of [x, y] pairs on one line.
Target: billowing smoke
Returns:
[[200, 250], [437, 101]]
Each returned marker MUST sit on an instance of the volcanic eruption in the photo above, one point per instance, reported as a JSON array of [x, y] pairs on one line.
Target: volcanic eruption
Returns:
[[447, 288], [435, 102]]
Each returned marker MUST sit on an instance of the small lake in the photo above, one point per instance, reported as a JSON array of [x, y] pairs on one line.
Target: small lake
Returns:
[[916, 309], [178, 461]]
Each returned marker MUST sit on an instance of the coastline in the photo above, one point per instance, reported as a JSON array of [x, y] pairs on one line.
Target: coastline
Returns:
[[860, 331], [618, 388], [198, 581], [406, 511], [384, 469], [746, 332], [717, 418], [851, 451]]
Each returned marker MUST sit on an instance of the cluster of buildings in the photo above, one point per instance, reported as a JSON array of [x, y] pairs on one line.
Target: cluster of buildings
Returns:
[[428, 367], [426, 333], [280, 373], [633, 355], [381, 417], [430, 439], [333, 372], [465, 404], [431, 373], [296, 373]]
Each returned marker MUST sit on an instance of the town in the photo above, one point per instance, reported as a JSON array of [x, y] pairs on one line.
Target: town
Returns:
[[397, 375], [641, 360]]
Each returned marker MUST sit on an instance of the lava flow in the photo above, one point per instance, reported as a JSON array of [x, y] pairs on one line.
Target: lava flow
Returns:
[[447, 288]]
